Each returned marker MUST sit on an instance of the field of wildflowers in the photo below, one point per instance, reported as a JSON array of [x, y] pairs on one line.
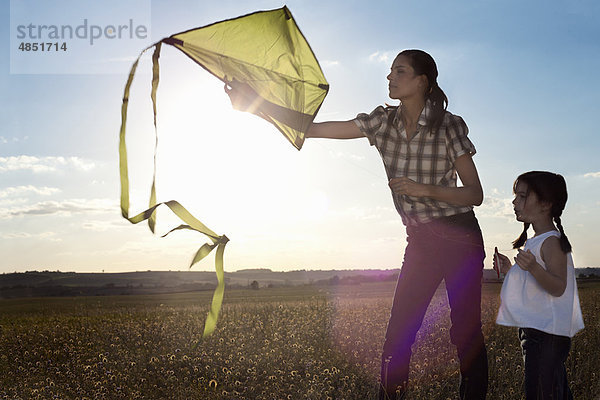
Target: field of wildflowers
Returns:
[[279, 343]]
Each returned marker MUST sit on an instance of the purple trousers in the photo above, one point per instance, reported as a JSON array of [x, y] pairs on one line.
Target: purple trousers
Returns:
[[449, 249]]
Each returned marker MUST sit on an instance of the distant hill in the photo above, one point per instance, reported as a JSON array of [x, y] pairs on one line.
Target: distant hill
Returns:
[[587, 272], [55, 283], [490, 275]]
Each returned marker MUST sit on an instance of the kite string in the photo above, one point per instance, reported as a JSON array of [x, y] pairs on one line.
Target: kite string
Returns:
[[379, 176], [368, 171]]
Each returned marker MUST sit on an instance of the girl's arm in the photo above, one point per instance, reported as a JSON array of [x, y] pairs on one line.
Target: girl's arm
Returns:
[[470, 194], [553, 279], [501, 263]]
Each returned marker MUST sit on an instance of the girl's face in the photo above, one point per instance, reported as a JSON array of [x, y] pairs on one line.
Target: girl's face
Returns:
[[404, 83], [527, 206]]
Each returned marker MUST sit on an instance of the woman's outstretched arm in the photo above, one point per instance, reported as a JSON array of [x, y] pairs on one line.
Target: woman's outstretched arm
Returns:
[[244, 98], [334, 130]]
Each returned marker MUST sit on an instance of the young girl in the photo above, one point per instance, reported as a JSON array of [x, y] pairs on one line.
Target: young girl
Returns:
[[539, 294], [423, 148]]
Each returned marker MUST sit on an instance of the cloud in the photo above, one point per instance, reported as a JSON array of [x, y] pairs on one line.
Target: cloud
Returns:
[[43, 164], [377, 213], [50, 236], [16, 235], [4, 140], [592, 175], [345, 155], [385, 57], [496, 207], [116, 60], [23, 190], [101, 225], [388, 239], [66, 207], [330, 63]]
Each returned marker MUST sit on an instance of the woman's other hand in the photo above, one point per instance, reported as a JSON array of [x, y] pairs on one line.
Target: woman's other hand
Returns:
[[408, 187]]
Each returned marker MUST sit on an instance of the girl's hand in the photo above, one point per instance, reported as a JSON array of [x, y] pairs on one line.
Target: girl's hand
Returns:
[[501, 262], [408, 187], [526, 260], [242, 96]]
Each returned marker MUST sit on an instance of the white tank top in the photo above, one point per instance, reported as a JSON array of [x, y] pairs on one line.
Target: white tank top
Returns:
[[526, 304]]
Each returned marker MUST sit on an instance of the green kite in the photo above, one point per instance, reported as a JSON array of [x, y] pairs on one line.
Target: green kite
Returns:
[[264, 50]]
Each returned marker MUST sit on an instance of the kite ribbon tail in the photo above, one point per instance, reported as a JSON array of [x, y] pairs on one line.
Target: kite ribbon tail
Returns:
[[123, 168], [217, 300], [155, 78], [176, 208]]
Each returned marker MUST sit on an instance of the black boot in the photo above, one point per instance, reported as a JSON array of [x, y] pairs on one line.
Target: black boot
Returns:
[[474, 380]]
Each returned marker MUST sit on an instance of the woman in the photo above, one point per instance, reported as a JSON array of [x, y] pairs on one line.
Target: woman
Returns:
[[423, 147]]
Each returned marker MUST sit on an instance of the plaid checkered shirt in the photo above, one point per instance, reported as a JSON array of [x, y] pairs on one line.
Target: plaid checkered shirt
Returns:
[[426, 158]]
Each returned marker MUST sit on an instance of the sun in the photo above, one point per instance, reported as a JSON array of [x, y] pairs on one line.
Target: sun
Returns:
[[218, 162], [232, 170]]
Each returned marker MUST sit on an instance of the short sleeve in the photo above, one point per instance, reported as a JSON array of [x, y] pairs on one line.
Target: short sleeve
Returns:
[[371, 124], [458, 143]]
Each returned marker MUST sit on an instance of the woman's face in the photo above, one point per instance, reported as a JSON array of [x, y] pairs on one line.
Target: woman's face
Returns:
[[404, 83]]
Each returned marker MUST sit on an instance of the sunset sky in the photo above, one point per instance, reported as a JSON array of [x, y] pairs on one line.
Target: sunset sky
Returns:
[[523, 75]]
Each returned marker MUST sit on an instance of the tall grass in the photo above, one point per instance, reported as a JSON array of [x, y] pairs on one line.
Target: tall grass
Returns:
[[291, 343]]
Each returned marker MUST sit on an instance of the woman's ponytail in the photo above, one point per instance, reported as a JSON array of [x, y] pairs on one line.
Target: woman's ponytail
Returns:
[[439, 104], [424, 64]]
